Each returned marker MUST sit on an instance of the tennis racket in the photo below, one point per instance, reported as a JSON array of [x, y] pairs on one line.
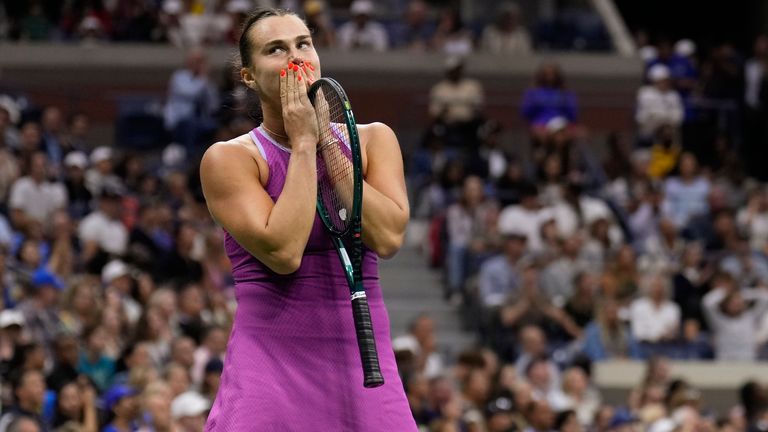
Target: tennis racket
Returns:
[[339, 203]]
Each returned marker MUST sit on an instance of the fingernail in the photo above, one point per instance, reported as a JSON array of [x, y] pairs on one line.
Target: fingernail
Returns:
[[312, 68], [295, 68], [282, 72], [299, 78]]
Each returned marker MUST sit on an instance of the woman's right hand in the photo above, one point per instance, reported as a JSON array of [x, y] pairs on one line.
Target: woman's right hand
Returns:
[[298, 114]]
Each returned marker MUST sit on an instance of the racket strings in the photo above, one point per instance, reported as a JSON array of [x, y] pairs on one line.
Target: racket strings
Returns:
[[335, 170]]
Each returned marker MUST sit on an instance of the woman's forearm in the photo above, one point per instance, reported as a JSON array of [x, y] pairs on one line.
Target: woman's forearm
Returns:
[[384, 222]]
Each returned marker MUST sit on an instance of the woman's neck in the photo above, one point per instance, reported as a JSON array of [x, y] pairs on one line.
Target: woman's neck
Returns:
[[273, 125]]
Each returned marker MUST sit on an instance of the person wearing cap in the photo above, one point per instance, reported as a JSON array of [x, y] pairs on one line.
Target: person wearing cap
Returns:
[[34, 196], [189, 410], [362, 33], [658, 104], [80, 197], [101, 173], [319, 23], [41, 309], [122, 405]]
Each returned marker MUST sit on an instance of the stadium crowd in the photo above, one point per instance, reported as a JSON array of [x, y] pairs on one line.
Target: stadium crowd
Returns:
[[559, 260], [380, 25], [117, 297]]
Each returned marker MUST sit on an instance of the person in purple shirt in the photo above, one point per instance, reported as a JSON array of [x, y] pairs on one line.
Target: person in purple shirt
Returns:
[[548, 99], [292, 360]]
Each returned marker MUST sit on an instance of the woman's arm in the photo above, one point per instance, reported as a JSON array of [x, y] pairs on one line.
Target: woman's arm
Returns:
[[385, 200], [276, 233]]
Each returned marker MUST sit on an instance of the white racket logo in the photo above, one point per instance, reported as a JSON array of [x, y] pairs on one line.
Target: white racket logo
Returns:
[[343, 214]]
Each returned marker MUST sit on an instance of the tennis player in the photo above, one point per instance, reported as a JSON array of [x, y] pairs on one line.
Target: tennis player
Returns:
[[292, 361]]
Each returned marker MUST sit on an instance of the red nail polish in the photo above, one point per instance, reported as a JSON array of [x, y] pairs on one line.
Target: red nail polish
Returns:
[[299, 78], [282, 72], [312, 68], [295, 68]]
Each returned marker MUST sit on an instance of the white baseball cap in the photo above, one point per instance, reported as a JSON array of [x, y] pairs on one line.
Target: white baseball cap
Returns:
[[101, 153], [189, 404], [10, 317], [685, 47], [361, 7], [113, 270], [76, 159], [658, 72]]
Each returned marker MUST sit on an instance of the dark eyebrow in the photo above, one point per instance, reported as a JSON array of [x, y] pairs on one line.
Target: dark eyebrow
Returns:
[[280, 41]]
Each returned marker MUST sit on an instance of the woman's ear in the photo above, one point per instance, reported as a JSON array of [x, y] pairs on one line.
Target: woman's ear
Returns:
[[247, 77]]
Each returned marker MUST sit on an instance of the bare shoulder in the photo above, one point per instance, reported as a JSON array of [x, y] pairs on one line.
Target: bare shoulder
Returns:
[[377, 137], [232, 158]]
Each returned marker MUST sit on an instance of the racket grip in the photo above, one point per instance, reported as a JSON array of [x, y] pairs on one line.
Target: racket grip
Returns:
[[367, 343]]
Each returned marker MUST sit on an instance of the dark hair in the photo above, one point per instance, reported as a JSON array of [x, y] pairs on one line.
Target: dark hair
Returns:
[[258, 15]]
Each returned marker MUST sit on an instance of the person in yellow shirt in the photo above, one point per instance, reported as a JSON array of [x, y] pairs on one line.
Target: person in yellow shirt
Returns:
[[665, 152]]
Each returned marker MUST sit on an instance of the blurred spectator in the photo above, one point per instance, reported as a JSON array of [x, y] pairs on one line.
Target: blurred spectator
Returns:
[[41, 308], [499, 276], [685, 195], [665, 152], [36, 26], [421, 342], [547, 99], [319, 24], [79, 197], [525, 218], [76, 407], [451, 36], [464, 220], [653, 317], [122, 405], [33, 197], [732, 320], [102, 233], [192, 101], [658, 104], [753, 219], [457, 101], [189, 411], [101, 175], [608, 337], [577, 394], [362, 33], [29, 393], [756, 108], [416, 29], [507, 35]]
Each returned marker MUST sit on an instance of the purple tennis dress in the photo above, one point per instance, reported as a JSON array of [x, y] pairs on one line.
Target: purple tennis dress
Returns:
[[292, 359]]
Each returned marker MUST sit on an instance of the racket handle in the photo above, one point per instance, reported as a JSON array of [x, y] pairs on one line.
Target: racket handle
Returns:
[[366, 343]]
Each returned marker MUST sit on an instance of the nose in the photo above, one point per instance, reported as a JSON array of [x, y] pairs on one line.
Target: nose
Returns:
[[297, 60]]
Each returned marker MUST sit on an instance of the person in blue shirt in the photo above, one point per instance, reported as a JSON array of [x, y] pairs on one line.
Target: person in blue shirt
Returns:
[[122, 404], [548, 99]]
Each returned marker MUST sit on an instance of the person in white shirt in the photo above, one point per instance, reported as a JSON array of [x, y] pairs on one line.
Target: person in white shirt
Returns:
[[362, 33], [734, 316], [33, 196], [526, 217], [653, 317], [102, 231], [658, 104], [507, 35]]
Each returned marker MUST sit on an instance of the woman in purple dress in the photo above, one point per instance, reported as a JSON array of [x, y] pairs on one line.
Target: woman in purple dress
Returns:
[[292, 361]]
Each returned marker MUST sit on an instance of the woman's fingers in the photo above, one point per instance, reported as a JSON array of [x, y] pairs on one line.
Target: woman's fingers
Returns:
[[283, 87]]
